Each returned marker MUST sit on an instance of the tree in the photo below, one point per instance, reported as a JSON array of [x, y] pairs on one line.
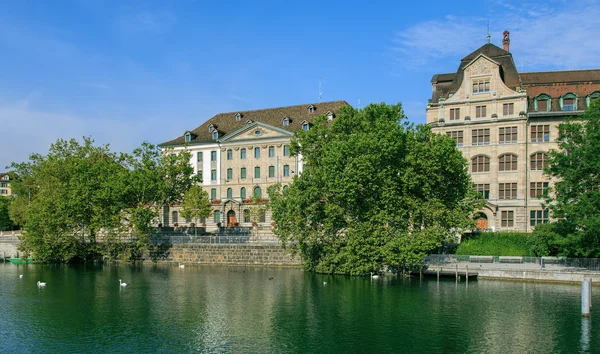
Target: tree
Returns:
[[196, 204], [575, 201], [375, 191], [5, 221]]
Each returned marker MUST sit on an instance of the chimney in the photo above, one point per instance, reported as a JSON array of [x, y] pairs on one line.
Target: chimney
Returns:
[[506, 40]]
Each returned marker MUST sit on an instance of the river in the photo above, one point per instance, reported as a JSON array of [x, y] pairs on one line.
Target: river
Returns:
[[166, 309]]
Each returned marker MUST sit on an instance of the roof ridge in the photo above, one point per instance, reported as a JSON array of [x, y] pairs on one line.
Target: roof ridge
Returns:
[[558, 71], [271, 108]]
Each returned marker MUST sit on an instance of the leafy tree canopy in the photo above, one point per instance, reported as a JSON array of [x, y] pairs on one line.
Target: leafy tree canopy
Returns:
[[375, 191], [196, 204], [5, 221]]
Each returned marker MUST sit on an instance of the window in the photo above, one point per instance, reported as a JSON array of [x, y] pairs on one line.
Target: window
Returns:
[[480, 111], [257, 192], [286, 170], [229, 154], [246, 215], [243, 173], [200, 175], [542, 103], [229, 193], [230, 174], [568, 102], [507, 162], [540, 133], [592, 97], [243, 193], [286, 187], [454, 113], [271, 171], [286, 150], [213, 175], [257, 132], [262, 216], [480, 136], [311, 108], [507, 191], [213, 194], [211, 128], [481, 86], [215, 135], [188, 220], [484, 189], [256, 172], [175, 217], [286, 122], [188, 138], [305, 126], [238, 117], [217, 216], [480, 164], [539, 161], [508, 109], [257, 152], [508, 218], [3, 191], [457, 136], [213, 156], [538, 189], [329, 116], [199, 157], [3, 185], [538, 217], [243, 154], [271, 151], [508, 135]]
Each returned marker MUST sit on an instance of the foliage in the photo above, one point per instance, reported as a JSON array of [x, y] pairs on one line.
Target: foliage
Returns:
[[376, 191], [497, 244], [5, 222], [196, 204], [575, 200], [82, 199], [258, 207]]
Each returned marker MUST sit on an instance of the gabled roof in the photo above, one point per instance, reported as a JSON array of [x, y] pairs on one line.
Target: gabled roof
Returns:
[[227, 123], [565, 76], [252, 126]]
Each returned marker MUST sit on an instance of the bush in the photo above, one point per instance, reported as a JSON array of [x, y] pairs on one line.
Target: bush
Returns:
[[497, 244]]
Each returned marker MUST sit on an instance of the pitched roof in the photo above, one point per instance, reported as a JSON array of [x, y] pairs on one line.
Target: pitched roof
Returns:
[[226, 123], [550, 77]]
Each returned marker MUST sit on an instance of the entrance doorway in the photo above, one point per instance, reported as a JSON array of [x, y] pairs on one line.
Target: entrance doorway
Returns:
[[231, 218], [482, 221]]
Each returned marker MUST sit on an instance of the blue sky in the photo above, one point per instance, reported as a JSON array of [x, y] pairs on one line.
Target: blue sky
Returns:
[[128, 71]]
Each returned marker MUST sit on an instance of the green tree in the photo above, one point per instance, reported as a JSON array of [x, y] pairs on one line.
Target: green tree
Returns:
[[196, 204], [5, 221], [575, 201], [375, 191]]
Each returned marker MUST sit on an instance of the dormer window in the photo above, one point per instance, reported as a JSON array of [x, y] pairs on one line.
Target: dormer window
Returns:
[[305, 126], [592, 97], [330, 116], [211, 128], [248, 122], [542, 103], [311, 108], [238, 117], [215, 134], [286, 122], [568, 102], [188, 137]]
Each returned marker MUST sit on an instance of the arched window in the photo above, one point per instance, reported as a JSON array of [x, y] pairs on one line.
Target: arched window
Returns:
[[243, 154], [591, 98], [539, 161], [257, 192], [229, 193], [286, 188], [480, 163], [568, 102], [542, 103], [507, 162], [243, 193]]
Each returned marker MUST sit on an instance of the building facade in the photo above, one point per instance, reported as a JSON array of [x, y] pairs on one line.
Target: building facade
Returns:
[[239, 155], [4, 185], [504, 122]]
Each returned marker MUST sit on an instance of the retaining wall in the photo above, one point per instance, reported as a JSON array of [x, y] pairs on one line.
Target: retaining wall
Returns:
[[8, 246], [541, 275]]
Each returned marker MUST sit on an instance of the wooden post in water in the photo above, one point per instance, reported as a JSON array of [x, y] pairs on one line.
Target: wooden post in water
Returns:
[[421, 271], [586, 284], [467, 275], [457, 273], [438, 274]]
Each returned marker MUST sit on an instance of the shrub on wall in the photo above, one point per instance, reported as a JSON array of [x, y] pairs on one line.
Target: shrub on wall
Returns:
[[497, 244]]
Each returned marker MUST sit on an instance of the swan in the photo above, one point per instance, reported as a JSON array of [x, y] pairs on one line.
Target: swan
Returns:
[[121, 283], [41, 284], [181, 265], [21, 276], [324, 283], [374, 276]]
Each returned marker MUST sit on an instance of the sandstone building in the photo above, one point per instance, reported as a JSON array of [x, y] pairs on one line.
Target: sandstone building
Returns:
[[238, 155], [505, 122], [4, 185]]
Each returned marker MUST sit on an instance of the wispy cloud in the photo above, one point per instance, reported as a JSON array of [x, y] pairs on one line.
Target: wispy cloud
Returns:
[[147, 21], [543, 36]]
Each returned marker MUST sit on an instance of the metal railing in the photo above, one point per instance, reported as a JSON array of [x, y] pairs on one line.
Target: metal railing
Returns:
[[554, 263], [205, 239]]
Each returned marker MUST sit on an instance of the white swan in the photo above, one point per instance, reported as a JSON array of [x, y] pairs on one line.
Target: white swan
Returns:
[[181, 265], [21, 276], [324, 283], [41, 284], [121, 283], [375, 276]]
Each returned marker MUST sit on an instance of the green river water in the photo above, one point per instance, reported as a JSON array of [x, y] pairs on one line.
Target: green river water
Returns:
[[165, 309]]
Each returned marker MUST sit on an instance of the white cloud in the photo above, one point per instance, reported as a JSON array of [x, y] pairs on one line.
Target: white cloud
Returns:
[[544, 36]]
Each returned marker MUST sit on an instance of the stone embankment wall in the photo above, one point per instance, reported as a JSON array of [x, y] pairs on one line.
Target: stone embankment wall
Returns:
[[9, 242], [541, 275], [232, 254]]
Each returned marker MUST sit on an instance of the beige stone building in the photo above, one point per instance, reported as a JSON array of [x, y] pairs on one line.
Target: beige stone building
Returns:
[[504, 122], [239, 155], [4, 185]]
